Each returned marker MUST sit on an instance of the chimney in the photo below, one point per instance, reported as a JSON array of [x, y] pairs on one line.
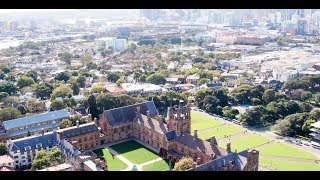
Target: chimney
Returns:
[[138, 109], [253, 159], [96, 121], [42, 131], [195, 133], [89, 117], [198, 160], [181, 104], [194, 165], [212, 156], [148, 114], [213, 141], [170, 112], [228, 147], [77, 123]]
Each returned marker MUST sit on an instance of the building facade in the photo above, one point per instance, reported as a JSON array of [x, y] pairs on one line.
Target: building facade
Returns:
[[31, 125], [170, 137]]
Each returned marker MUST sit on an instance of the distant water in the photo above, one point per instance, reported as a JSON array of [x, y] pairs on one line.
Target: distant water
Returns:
[[7, 43]]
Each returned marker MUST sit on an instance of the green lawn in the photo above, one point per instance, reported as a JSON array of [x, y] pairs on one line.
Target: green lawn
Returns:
[[247, 142], [114, 163], [134, 152], [280, 165], [280, 149], [200, 121], [220, 131], [157, 166]]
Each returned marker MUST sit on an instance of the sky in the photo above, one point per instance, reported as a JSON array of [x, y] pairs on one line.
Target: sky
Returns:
[[33, 10]]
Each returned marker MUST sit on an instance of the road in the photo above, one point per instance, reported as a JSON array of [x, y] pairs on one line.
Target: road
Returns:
[[269, 134]]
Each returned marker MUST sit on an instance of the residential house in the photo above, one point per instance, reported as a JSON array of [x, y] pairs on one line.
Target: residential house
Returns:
[[181, 78], [211, 85], [193, 79], [114, 90]]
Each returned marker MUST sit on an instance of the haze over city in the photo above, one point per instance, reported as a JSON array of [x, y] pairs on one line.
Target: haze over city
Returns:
[[159, 90]]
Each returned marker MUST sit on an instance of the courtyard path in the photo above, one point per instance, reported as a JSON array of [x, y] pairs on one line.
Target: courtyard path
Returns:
[[120, 156], [149, 162], [290, 159]]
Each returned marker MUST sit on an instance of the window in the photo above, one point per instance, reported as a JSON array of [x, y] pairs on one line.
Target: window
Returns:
[[15, 157], [23, 161], [17, 161]]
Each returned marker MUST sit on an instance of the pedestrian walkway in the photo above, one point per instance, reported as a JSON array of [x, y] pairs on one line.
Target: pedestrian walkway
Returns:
[[281, 158]]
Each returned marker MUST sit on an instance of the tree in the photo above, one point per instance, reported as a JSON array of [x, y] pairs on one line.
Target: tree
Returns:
[[61, 91], [8, 88], [143, 78], [2, 74], [86, 59], [75, 88], [255, 101], [307, 125], [97, 88], [120, 81], [291, 125], [63, 76], [41, 160], [25, 81], [22, 109], [5, 68], [43, 90], [34, 106], [10, 77], [93, 106], [3, 149], [81, 80], [65, 57], [9, 113], [33, 74], [57, 105], [156, 79], [203, 81], [253, 117], [269, 95], [113, 77], [3, 95], [305, 95], [183, 164], [65, 123]]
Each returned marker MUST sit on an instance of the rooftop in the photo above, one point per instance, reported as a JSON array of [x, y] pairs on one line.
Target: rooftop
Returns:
[[76, 131], [39, 118], [5, 159]]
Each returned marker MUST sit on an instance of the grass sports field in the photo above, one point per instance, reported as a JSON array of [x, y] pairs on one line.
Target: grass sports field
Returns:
[[220, 132], [247, 142], [201, 121], [280, 165], [157, 166]]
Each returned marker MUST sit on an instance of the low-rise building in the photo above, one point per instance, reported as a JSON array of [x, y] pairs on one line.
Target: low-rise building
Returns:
[[21, 127], [315, 131], [23, 150], [211, 85], [6, 161], [82, 137], [193, 79]]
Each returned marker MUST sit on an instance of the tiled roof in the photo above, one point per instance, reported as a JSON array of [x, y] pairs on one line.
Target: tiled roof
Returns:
[[5, 159], [48, 139], [151, 124], [39, 118], [128, 113], [113, 89], [76, 131], [220, 163], [33, 129], [199, 145], [170, 135], [81, 110]]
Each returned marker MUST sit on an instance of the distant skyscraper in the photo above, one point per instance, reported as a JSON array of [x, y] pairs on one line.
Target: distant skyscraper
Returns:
[[33, 25], [12, 25]]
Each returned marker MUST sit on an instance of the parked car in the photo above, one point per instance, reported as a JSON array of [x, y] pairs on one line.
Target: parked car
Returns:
[[200, 110], [306, 144]]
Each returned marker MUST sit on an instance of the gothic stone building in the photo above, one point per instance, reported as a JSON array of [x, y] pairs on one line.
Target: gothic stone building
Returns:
[[171, 137], [83, 137]]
